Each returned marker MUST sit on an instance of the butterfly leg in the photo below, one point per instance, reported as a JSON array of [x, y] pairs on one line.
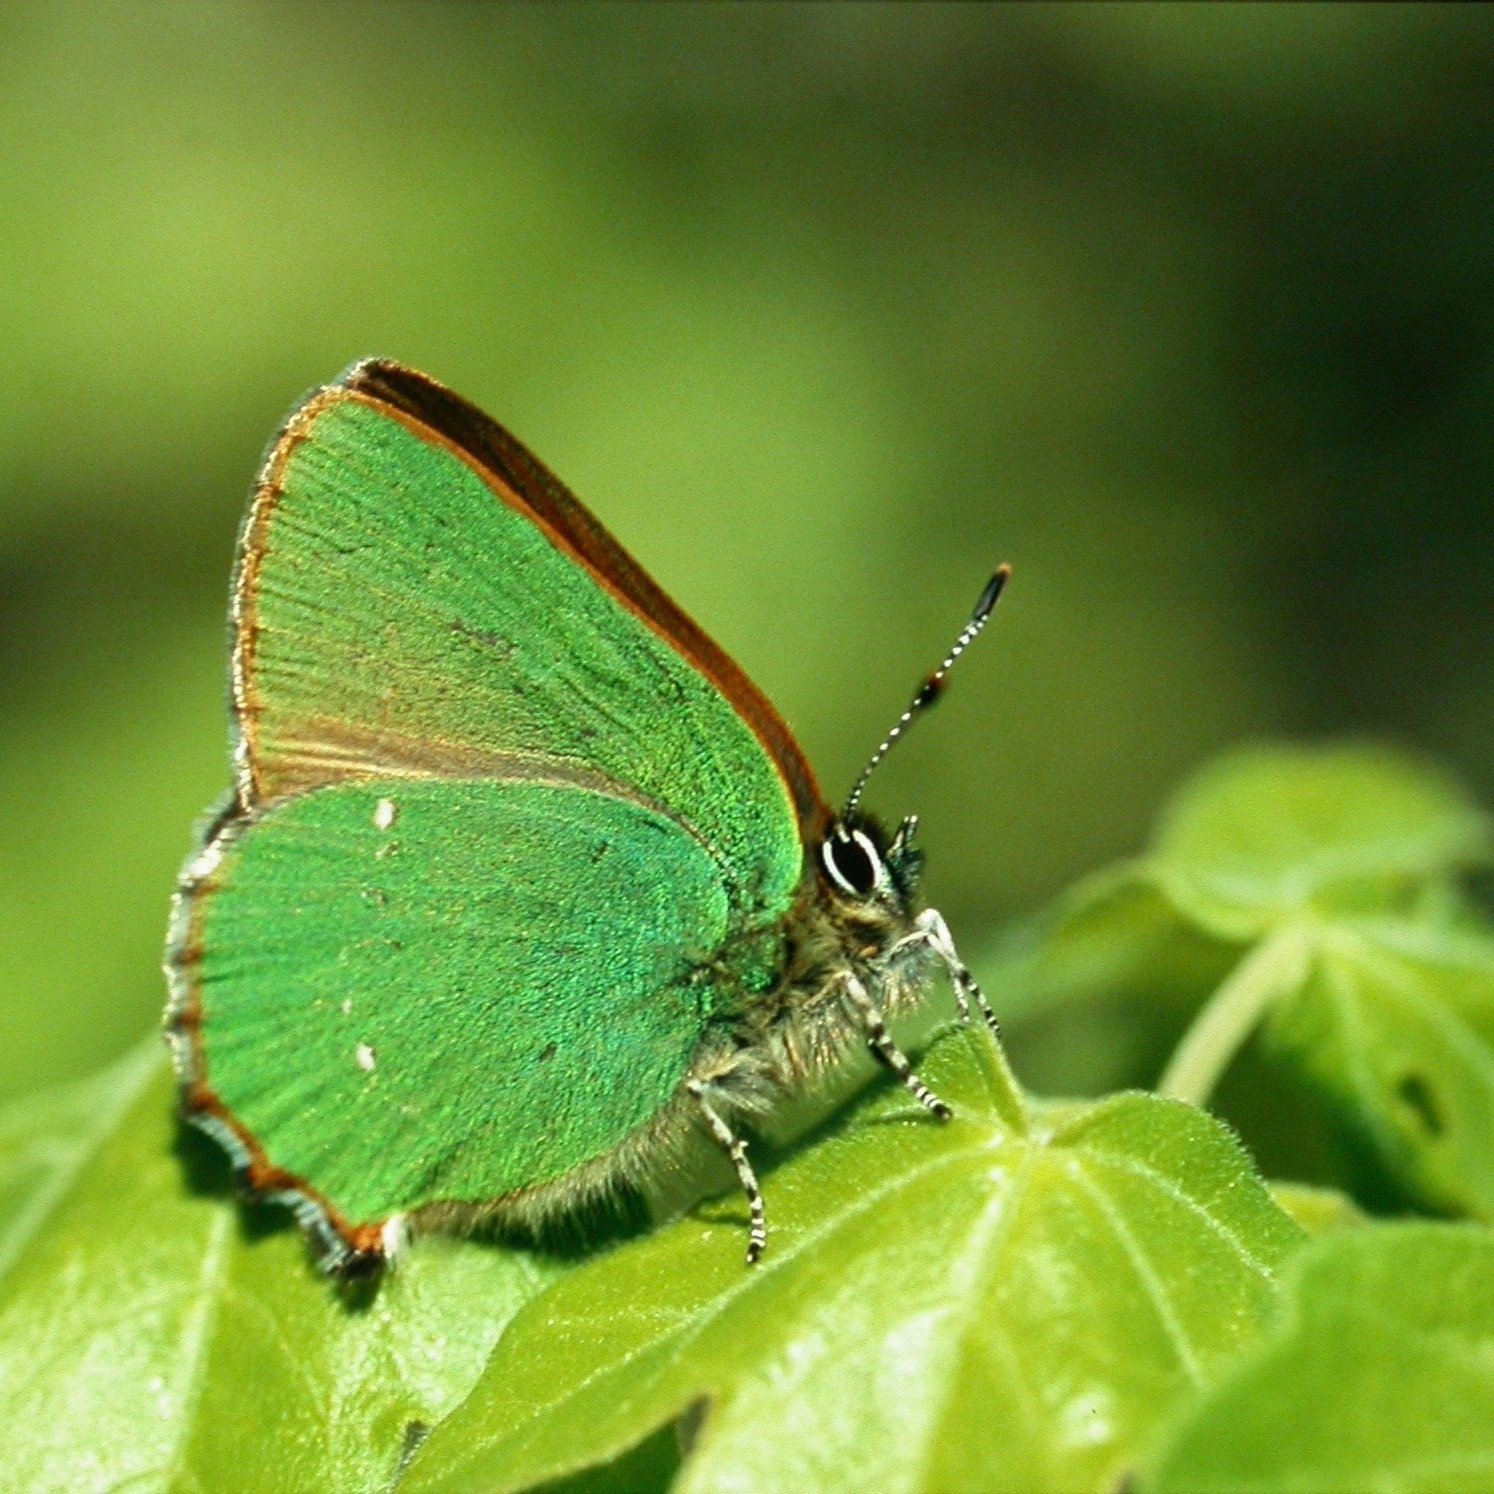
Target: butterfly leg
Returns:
[[736, 1149], [883, 1045], [932, 932]]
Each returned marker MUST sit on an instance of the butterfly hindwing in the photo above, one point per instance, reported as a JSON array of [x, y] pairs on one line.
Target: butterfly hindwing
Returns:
[[427, 991]]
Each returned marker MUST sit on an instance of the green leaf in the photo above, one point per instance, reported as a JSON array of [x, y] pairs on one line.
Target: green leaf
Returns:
[[1017, 1298], [163, 1337], [1275, 968], [1371, 975], [1094, 991], [1114, 933], [1379, 1376], [1318, 1210], [1273, 831], [1253, 857], [1394, 1023]]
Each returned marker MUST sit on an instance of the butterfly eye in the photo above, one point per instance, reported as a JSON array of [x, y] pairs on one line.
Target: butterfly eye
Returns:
[[852, 862]]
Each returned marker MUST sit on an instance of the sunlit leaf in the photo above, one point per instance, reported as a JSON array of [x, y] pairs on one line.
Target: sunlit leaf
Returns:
[[156, 1336], [1379, 1376], [1327, 877], [1277, 830], [1317, 1210], [1116, 934], [1396, 1023], [1265, 838], [1094, 991], [1014, 1300]]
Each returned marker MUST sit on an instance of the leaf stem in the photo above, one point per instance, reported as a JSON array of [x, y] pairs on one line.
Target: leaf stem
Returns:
[[1232, 1013]]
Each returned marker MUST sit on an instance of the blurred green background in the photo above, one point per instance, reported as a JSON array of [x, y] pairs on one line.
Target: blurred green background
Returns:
[[1186, 311]]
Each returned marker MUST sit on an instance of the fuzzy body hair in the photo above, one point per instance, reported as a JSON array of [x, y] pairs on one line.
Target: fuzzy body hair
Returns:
[[779, 1042]]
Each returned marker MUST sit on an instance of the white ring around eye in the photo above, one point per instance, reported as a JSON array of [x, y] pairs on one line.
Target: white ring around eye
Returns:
[[879, 871], [833, 871]]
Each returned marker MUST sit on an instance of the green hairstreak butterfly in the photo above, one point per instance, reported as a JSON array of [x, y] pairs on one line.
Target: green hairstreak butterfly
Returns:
[[521, 880]]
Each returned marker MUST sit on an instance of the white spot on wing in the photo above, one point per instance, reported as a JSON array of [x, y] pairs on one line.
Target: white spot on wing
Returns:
[[365, 1056], [347, 1006], [394, 1236], [385, 812]]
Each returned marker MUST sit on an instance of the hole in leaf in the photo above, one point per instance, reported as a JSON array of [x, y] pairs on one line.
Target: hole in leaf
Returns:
[[1418, 1096]]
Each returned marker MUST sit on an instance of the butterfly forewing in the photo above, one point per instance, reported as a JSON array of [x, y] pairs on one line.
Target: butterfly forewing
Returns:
[[394, 610], [511, 467]]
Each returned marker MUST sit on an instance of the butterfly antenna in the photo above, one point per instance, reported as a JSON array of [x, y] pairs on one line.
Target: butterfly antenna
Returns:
[[933, 687]]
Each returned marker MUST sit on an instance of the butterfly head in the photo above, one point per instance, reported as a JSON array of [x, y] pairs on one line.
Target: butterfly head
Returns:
[[863, 864]]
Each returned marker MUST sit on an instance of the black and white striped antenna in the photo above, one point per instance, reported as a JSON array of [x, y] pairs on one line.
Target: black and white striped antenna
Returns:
[[933, 687]]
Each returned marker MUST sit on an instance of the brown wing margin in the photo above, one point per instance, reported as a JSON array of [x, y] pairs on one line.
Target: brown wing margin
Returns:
[[522, 474]]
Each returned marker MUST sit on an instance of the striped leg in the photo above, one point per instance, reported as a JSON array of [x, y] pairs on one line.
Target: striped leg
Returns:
[[932, 930], [882, 1044], [736, 1149]]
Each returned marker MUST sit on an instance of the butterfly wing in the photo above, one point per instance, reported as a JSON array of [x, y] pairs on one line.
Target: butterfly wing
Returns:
[[427, 991], [512, 465], [401, 606], [594, 826]]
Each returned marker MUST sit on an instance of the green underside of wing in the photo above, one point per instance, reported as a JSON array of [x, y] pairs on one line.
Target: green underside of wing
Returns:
[[400, 608], [476, 999]]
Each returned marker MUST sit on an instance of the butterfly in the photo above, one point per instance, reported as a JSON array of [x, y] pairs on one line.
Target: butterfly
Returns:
[[521, 884]]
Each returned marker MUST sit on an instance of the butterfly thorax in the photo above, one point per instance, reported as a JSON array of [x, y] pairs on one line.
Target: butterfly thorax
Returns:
[[851, 935]]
